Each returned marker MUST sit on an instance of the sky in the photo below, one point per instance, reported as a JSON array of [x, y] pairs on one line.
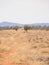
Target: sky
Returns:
[[24, 11]]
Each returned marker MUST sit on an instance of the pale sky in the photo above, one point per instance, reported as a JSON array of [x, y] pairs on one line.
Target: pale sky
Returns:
[[24, 11]]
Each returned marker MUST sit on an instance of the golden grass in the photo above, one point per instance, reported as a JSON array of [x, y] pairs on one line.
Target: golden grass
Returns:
[[24, 47]]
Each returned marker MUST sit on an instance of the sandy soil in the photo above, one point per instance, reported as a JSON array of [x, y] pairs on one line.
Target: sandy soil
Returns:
[[24, 48]]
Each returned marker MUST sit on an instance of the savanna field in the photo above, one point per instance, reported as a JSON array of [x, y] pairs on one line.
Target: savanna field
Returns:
[[22, 47]]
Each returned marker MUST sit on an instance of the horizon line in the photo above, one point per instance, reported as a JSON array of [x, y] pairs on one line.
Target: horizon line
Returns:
[[22, 23]]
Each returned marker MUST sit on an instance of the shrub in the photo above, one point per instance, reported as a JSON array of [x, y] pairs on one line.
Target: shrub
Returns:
[[16, 28], [26, 27]]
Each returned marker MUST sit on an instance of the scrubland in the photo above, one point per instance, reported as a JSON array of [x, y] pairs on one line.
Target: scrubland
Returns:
[[22, 47]]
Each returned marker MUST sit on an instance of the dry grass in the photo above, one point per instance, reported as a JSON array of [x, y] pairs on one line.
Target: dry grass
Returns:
[[24, 48]]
